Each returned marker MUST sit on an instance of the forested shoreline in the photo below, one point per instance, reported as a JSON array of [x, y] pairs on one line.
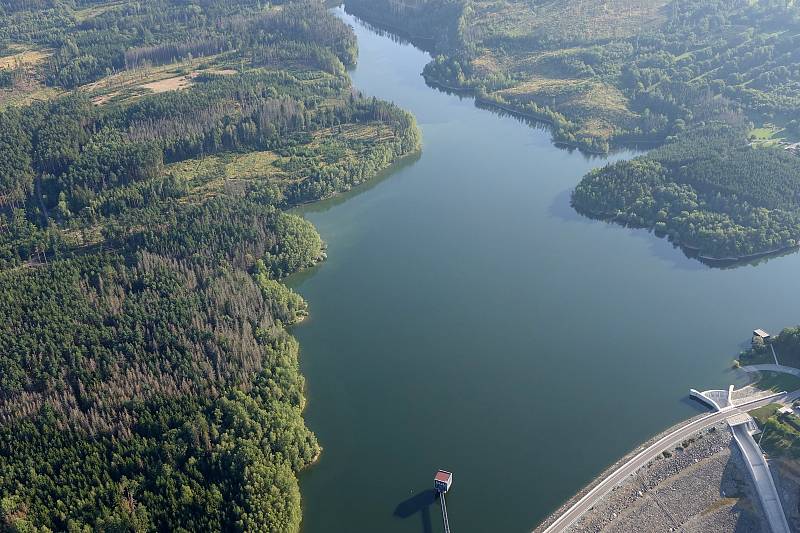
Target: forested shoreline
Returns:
[[606, 74], [708, 191], [703, 79], [781, 431], [148, 154], [786, 343]]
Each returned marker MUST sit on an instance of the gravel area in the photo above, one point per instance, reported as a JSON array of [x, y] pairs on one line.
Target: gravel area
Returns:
[[608, 471], [786, 473], [701, 485], [749, 392]]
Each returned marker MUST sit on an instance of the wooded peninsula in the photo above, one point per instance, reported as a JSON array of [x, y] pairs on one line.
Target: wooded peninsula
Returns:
[[148, 154], [716, 83]]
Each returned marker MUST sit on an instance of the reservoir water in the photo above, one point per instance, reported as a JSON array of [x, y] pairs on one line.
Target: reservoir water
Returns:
[[468, 319]]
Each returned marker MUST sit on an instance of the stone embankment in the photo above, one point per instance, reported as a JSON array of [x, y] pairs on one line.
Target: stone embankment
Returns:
[[786, 473], [699, 485]]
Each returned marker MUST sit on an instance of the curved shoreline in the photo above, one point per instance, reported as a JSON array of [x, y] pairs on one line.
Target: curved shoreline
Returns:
[[390, 29], [428, 44], [525, 115], [691, 251], [608, 471], [638, 447], [614, 144]]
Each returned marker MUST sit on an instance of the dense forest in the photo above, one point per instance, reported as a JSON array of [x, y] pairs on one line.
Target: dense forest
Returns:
[[605, 72], [707, 190], [717, 81], [148, 153]]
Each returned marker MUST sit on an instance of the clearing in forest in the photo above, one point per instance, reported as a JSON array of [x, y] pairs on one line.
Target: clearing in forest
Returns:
[[328, 147], [22, 55], [588, 20], [137, 82]]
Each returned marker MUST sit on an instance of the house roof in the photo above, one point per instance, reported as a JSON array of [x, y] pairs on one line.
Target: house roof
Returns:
[[761, 333], [443, 476]]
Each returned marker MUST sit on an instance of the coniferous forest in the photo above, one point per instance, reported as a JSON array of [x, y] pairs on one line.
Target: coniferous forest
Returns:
[[714, 84], [707, 190], [148, 154]]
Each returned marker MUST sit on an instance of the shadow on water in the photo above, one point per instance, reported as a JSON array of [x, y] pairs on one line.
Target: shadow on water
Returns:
[[295, 280], [663, 246], [694, 403], [418, 504], [561, 208], [395, 34], [754, 261]]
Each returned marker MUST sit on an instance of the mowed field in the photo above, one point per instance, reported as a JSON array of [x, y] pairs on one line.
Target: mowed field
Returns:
[[29, 87], [26, 93], [598, 106]]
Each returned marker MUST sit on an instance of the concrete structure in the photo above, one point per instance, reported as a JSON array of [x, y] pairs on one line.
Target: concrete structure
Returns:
[[743, 419], [759, 338], [445, 520], [788, 398], [716, 399], [575, 511], [727, 406], [442, 481], [743, 426], [762, 477], [746, 394], [760, 333], [772, 368]]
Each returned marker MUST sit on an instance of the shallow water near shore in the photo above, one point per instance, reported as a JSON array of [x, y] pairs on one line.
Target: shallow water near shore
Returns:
[[468, 319]]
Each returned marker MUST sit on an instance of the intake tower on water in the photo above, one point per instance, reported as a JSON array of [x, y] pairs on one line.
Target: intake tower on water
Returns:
[[442, 482]]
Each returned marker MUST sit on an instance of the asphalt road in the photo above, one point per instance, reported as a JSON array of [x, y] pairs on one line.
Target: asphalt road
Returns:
[[642, 458]]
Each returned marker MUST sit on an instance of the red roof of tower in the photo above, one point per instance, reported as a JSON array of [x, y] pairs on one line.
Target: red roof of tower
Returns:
[[443, 476]]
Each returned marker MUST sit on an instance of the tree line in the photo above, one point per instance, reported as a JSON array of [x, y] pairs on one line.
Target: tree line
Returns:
[[707, 190], [147, 379]]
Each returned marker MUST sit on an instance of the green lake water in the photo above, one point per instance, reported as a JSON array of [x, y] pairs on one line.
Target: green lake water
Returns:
[[468, 319]]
